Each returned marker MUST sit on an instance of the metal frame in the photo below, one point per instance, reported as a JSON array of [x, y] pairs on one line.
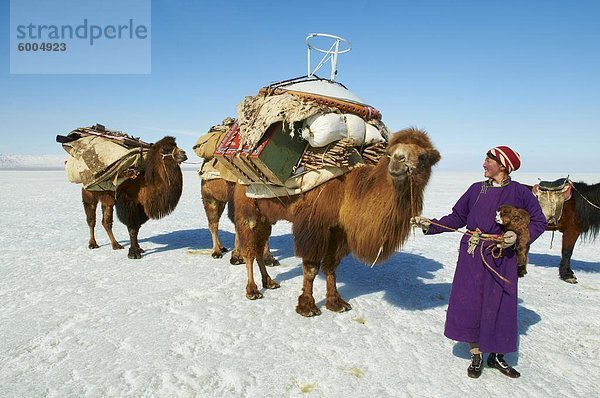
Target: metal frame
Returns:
[[330, 54]]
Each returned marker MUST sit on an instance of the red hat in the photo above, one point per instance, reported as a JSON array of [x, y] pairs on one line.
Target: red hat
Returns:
[[508, 158]]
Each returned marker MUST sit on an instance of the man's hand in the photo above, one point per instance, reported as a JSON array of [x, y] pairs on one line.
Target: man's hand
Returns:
[[421, 222], [508, 239]]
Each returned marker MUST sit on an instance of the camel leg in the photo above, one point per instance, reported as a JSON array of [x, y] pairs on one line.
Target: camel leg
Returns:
[[569, 239], [236, 257], [336, 251], [135, 251], [89, 206], [107, 223], [250, 232], [306, 302], [262, 234], [252, 292], [268, 256], [214, 210]]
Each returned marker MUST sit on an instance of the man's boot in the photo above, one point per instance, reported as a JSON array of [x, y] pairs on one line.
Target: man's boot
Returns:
[[474, 370], [497, 361]]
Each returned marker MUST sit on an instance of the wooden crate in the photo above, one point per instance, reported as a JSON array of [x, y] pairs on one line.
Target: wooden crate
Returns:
[[229, 152], [277, 154], [272, 161]]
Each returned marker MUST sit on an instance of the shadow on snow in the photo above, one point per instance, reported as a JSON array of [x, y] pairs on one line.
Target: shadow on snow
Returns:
[[551, 261]]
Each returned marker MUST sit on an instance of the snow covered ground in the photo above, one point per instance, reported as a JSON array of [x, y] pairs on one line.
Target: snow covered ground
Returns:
[[79, 322]]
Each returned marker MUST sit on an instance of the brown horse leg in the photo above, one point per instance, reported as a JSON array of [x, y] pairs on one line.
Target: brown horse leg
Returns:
[[107, 223], [89, 206], [569, 239], [336, 251], [306, 302], [214, 210], [135, 252]]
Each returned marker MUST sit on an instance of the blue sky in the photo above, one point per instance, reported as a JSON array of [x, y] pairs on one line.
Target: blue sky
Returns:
[[474, 74]]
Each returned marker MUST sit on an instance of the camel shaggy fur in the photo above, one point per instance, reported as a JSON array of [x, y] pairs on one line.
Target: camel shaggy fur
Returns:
[[153, 193], [365, 212]]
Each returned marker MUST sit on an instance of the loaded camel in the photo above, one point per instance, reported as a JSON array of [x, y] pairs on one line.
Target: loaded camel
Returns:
[[365, 212]]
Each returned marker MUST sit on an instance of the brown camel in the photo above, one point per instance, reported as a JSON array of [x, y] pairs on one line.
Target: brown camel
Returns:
[[153, 193], [90, 203], [216, 193], [365, 212]]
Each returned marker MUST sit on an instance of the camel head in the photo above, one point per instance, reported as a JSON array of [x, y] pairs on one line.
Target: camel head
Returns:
[[411, 154], [169, 151], [164, 157]]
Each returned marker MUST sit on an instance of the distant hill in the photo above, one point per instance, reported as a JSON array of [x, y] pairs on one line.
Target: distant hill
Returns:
[[32, 162], [50, 162]]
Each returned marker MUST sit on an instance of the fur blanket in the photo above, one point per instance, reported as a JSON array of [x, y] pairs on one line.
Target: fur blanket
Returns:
[[256, 114]]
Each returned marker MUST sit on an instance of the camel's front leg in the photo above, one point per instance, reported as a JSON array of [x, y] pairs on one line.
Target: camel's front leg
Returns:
[[306, 302], [337, 249], [135, 251], [333, 300]]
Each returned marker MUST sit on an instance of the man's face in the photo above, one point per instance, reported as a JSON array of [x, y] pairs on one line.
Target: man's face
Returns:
[[491, 168]]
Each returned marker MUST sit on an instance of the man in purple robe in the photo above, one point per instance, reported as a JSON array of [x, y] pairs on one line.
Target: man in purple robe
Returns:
[[482, 310]]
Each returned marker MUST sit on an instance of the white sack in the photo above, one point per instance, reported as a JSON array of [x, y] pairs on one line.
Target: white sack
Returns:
[[324, 128], [372, 135], [355, 127]]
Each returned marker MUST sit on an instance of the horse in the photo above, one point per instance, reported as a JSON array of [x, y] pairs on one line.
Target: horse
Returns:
[[581, 216]]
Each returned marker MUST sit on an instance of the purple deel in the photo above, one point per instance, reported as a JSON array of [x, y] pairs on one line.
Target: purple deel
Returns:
[[483, 307]]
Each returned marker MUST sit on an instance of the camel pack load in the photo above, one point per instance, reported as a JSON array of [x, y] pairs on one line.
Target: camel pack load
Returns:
[[294, 135], [102, 159]]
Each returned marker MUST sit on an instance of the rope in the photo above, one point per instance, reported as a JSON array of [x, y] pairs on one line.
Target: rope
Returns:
[[484, 237], [489, 266]]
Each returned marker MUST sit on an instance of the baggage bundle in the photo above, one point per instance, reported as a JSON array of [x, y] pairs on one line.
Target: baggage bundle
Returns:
[[101, 159], [294, 135]]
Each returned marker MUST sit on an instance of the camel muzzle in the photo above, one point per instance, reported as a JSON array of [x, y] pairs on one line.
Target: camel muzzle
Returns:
[[180, 156], [399, 166]]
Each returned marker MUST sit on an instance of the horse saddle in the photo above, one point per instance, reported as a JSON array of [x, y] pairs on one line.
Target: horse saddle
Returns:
[[556, 185], [552, 195]]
